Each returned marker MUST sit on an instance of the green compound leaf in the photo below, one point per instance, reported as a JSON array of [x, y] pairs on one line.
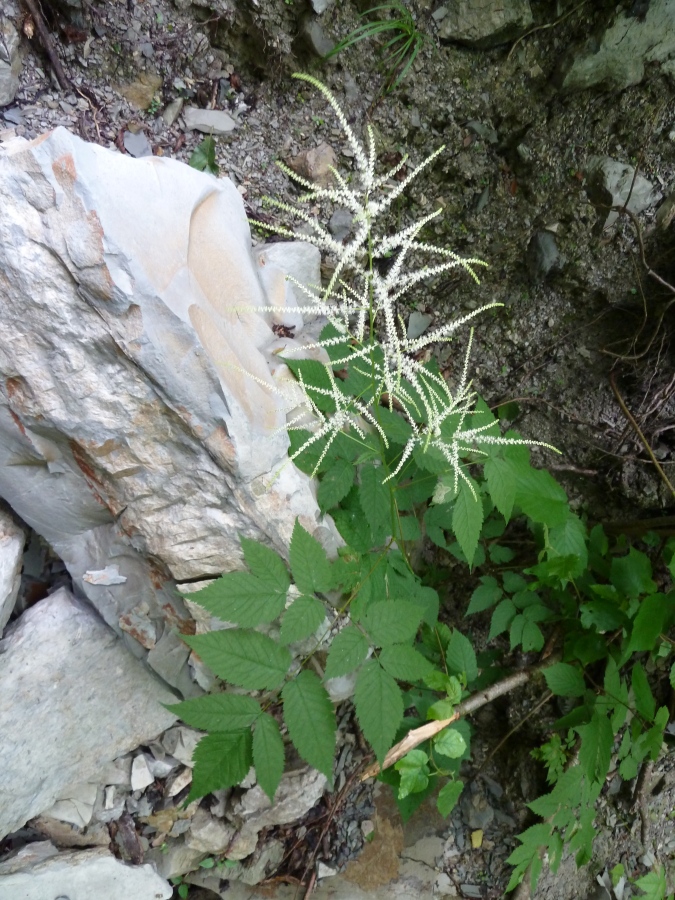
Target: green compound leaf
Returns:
[[268, 754], [502, 618], [644, 699], [309, 562], [414, 773], [448, 796], [650, 621], [243, 599], [204, 157], [461, 657], [347, 652], [569, 539], [595, 752], [564, 680], [632, 575], [501, 482], [450, 743], [245, 658], [335, 484], [409, 528], [375, 498], [217, 712], [309, 716], [485, 596], [379, 707], [221, 761], [392, 621], [532, 637], [301, 619], [467, 519], [541, 498], [265, 564], [653, 884], [404, 663]]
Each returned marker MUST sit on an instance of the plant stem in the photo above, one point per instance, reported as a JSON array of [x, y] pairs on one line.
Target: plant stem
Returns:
[[418, 735]]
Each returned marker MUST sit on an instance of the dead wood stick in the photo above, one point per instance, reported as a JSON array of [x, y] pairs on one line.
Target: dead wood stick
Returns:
[[48, 44], [415, 737]]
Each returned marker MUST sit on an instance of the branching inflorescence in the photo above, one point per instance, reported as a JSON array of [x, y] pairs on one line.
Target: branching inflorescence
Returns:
[[360, 304]]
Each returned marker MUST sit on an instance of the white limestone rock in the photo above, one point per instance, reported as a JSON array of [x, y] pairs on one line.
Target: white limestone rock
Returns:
[[82, 875], [12, 541], [130, 301], [71, 700]]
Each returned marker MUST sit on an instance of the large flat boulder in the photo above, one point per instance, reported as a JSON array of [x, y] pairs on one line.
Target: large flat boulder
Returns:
[[82, 875], [72, 699]]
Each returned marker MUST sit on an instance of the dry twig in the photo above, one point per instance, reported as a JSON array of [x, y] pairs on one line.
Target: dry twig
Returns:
[[48, 44], [418, 735]]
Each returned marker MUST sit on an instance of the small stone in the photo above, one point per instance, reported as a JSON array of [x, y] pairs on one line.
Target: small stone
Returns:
[[471, 890], [172, 111], [477, 839], [315, 164], [542, 256], [208, 121], [141, 776], [141, 93], [137, 145], [209, 835], [320, 6], [111, 574], [417, 325], [316, 39], [324, 871], [427, 850], [340, 224]]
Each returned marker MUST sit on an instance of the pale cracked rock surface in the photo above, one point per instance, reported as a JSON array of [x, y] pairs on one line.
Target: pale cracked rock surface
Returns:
[[297, 793], [83, 875], [129, 427], [12, 540], [129, 293], [65, 711]]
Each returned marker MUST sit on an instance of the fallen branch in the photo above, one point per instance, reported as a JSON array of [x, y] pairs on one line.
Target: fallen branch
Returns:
[[627, 413], [48, 44], [418, 735]]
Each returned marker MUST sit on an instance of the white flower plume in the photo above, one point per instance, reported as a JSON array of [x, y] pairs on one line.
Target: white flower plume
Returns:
[[367, 335]]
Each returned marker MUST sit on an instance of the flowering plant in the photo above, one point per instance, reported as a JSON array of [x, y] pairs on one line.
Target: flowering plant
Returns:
[[402, 454]]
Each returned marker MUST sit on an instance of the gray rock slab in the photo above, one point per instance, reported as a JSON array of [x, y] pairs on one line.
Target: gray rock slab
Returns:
[[484, 23], [12, 541], [542, 255], [71, 700], [83, 875], [612, 183], [616, 58], [297, 793], [208, 121], [10, 62]]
